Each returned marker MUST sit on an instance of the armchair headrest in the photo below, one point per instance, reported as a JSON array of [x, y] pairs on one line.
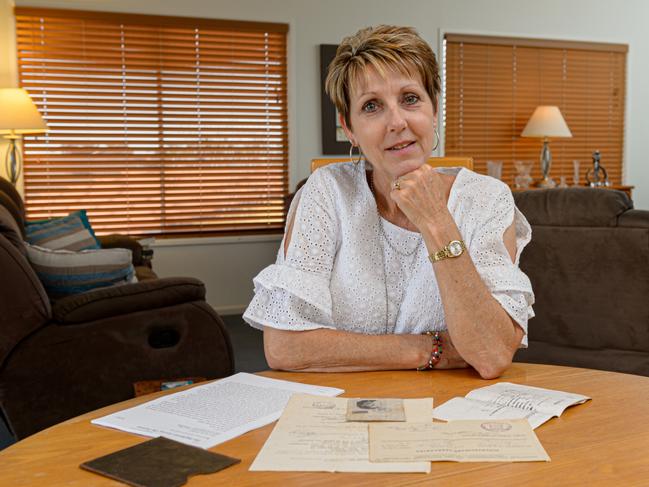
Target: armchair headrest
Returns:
[[10, 199], [10, 229]]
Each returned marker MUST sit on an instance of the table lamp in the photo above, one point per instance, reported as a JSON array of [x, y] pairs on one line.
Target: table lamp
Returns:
[[18, 116], [546, 121]]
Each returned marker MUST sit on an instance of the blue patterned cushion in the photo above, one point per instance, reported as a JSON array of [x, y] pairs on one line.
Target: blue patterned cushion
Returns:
[[63, 272], [72, 232]]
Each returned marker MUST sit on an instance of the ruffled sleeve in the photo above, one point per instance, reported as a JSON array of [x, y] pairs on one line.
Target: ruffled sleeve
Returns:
[[294, 293], [492, 211]]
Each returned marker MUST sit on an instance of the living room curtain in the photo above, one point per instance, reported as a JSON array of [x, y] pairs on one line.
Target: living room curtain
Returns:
[[158, 125], [493, 85]]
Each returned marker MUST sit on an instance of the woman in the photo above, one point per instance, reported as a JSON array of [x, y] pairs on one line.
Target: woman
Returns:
[[388, 263]]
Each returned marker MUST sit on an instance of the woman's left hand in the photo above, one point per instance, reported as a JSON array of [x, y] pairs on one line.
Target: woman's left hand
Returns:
[[422, 195]]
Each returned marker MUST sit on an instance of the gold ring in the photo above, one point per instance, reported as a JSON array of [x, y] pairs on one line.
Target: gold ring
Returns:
[[396, 185]]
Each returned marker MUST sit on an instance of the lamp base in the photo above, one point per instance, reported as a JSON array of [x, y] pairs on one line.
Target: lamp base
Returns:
[[546, 163], [547, 182], [13, 161]]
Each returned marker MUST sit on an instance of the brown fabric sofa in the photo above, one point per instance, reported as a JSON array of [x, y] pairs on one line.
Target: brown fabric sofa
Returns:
[[64, 358], [589, 266]]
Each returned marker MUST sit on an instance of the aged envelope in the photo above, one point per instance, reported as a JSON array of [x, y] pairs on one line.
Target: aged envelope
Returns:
[[460, 441], [366, 409], [313, 436]]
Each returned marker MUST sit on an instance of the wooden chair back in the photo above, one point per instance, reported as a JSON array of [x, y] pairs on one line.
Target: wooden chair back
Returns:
[[433, 161]]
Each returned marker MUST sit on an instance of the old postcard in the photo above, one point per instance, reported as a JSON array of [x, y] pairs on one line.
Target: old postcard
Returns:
[[360, 409]]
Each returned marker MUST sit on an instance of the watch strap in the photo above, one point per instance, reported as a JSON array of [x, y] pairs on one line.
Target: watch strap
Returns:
[[445, 253]]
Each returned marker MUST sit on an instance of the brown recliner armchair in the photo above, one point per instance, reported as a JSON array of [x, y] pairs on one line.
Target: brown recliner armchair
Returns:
[[64, 358]]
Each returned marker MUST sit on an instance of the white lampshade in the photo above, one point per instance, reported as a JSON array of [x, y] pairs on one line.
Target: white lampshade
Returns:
[[546, 121], [18, 113]]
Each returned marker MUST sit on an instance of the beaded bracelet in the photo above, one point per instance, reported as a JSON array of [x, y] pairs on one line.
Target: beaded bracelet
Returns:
[[436, 351]]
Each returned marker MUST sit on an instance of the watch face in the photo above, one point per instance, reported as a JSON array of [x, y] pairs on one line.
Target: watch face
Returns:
[[455, 248]]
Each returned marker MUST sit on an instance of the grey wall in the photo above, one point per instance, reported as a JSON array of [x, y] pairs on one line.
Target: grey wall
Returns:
[[314, 22]]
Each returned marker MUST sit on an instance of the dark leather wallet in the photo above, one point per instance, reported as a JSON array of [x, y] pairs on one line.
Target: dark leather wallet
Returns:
[[159, 462]]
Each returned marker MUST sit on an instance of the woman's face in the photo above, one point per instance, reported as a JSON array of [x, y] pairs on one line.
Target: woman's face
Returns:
[[392, 119]]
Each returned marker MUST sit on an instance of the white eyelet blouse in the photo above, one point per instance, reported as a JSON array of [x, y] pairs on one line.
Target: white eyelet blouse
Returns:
[[340, 272]]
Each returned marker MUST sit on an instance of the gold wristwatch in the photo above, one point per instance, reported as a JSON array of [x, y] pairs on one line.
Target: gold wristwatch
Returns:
[[454, 249]]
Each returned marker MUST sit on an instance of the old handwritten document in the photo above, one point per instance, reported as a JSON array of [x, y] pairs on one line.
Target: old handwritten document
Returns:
[[460, 441], [313, 435], [509, 401]]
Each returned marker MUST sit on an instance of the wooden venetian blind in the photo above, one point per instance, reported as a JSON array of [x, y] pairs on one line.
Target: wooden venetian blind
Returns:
[[493, 84], [158, 125]]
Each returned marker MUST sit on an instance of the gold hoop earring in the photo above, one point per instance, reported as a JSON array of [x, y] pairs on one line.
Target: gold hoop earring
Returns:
[[436, 132], [351, 155]]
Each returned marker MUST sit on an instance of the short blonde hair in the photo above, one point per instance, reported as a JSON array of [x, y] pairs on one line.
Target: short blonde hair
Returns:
[[385, 48]]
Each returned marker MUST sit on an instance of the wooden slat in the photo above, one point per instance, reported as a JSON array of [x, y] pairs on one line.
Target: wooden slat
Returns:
[[148, 20], [538, 43]]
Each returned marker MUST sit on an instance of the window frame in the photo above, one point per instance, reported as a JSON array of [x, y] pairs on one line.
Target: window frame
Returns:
[[174, 22], [523, 41]]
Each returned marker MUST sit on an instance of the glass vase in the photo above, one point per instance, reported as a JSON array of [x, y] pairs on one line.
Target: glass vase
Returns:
[[523, 177], [575, 173]]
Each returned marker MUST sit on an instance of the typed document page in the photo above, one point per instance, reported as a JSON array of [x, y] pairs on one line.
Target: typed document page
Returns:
[[213, 413]]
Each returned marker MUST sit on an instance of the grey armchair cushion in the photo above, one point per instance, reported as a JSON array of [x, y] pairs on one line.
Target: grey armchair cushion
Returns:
[[123, 242]]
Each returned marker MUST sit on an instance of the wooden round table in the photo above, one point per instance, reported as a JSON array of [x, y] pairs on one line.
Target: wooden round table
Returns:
[[604, 441]]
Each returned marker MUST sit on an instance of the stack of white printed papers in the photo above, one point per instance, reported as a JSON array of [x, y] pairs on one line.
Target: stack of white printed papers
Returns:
[[509, 401], [212, 413]]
